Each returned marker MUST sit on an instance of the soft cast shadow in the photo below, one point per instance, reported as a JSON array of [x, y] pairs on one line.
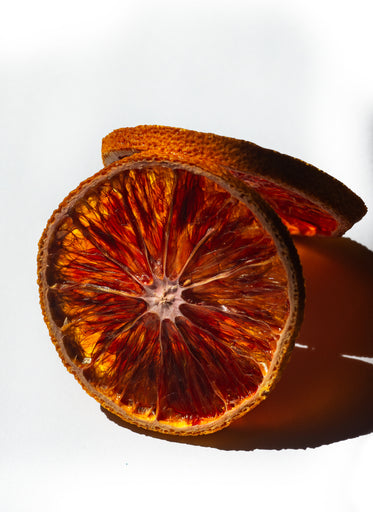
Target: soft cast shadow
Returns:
[[323, 396]]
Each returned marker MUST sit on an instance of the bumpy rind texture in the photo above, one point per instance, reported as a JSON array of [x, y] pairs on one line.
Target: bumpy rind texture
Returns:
[[285, 248], [214, 151]]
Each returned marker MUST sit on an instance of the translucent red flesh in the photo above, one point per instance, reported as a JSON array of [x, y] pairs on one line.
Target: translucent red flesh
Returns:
[[300, 215], [169, 295]]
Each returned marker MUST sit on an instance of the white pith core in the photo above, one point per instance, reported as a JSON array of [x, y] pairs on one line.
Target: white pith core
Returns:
[[164, 298]]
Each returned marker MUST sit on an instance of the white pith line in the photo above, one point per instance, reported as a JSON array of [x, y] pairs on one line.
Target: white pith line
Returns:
[[208, 233], [98, 288], [136, 227], [86, 234], [226, 273], [168, 226], [161, 350]]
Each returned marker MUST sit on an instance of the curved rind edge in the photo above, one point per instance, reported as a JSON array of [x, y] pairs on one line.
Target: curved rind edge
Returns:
[[288, 254], [194, 147]]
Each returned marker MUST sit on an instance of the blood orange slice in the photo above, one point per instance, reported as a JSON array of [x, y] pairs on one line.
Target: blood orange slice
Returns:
[[309, 201], [171, 291]]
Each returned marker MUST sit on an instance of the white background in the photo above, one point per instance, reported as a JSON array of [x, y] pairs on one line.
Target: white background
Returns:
[[294, 76]]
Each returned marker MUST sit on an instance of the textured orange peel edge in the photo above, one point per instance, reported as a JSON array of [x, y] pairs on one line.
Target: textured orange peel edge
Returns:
[[178, 148]]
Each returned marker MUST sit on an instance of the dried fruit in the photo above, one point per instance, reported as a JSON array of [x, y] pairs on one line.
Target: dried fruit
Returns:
[[308, 201], [171, 289]]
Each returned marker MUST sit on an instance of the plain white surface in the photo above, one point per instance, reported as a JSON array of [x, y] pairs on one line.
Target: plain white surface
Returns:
[[292, 76]]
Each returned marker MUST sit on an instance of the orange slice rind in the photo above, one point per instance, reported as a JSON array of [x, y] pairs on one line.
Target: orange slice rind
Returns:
[[173, 293], [308, 201]]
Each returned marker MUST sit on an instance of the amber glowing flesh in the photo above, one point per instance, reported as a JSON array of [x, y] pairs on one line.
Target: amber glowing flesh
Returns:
[[169, 295], [300, 215]]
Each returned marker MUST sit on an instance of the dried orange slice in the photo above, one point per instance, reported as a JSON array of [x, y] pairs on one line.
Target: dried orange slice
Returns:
[[171, 290], [308, 201]]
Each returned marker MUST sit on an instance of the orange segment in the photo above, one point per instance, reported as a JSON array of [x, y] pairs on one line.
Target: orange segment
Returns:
[[172, 293], [309, 201], [300, 215]]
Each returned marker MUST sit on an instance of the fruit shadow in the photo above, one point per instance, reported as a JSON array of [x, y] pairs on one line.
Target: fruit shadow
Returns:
[[325, 391]]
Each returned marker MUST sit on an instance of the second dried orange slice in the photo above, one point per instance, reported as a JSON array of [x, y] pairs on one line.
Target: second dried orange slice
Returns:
[[308, 201], [171, 291]]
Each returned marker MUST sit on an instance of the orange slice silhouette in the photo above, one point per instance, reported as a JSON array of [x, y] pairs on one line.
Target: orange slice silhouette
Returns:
[[171, 289]]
